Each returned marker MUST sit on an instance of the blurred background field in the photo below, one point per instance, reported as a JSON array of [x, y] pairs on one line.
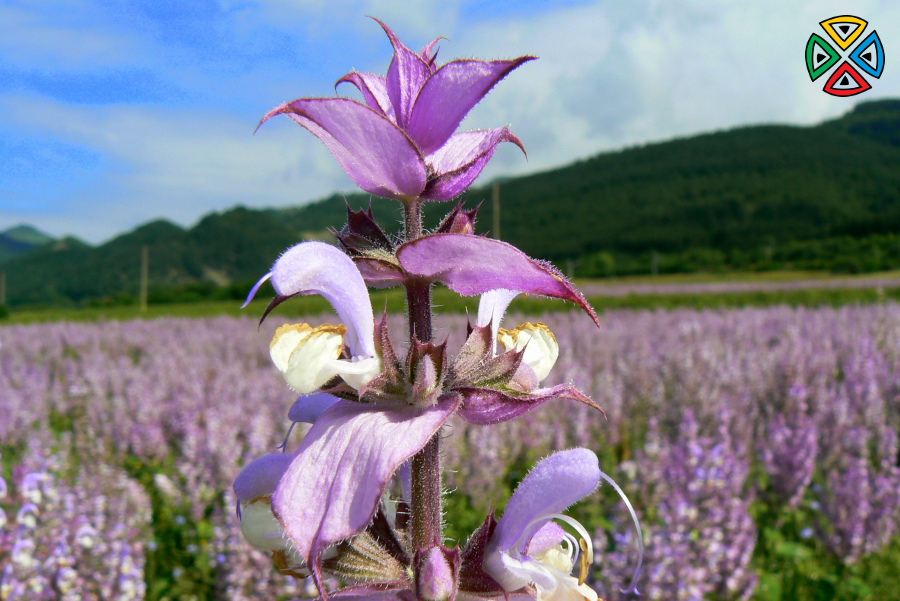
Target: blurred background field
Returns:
[[699, 291], [758, 444]]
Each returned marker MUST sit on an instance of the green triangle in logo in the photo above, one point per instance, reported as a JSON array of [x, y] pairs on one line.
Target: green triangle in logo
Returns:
[[820, 56]]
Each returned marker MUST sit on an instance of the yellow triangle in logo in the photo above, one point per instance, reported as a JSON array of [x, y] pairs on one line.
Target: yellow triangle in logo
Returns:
[[844, 30]]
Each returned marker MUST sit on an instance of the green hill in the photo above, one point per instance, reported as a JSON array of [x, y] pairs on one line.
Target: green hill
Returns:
[[21, 239], [223, 248], [758, 197]]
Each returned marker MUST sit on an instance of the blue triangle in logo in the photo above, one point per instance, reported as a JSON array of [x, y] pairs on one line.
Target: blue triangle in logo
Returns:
[[869, 55]]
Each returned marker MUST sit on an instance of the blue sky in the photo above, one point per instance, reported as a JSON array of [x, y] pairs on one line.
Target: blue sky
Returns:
[[116, 112]]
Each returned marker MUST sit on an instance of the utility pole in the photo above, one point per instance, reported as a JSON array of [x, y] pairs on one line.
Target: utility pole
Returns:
[[495, 229], [145, 272]]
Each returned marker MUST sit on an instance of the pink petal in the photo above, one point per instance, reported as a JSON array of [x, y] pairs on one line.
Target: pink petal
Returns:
[[473, 265], [406, 74], [308, 408], [260, 478], [449, 94], [374, 91], [462, 159], [332, 488], [556, 483], [319, 268], [374, 152]]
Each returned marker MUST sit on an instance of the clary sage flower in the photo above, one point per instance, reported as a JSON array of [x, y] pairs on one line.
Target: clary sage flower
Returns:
[[332, 486], [401, 143], [528, 549], [311, 356], [535, 341]]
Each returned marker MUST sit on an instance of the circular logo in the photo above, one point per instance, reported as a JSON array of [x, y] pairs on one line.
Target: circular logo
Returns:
[[852, 62]]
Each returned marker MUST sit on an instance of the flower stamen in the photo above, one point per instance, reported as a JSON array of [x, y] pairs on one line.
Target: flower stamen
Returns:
[[637, 525], [583, 564]]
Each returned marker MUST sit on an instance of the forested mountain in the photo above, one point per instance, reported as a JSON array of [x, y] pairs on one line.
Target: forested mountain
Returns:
[[19, 240], [745, 197], [222, 248]]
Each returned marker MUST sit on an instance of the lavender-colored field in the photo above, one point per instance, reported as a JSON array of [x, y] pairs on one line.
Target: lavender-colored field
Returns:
[[111, 430]]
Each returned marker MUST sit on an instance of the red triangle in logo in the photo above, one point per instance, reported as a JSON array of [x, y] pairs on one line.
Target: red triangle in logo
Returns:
[[846, 81]]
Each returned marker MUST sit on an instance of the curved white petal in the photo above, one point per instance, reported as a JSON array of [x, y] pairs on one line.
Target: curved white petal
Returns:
[[491, 307], [538, 342], [565, 587], [358, 373], [518, 571]]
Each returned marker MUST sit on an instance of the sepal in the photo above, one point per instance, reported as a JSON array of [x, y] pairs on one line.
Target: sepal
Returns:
[[476, 365], [363, 559], [473, 580], [362, 234], [426, 363], [392, 386], [393, 538], [482, 406]]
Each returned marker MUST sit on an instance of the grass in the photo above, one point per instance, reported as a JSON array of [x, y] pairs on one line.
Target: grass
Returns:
[[446, 301]]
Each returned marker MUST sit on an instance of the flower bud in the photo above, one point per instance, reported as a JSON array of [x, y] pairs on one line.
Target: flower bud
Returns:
[[435, 577]]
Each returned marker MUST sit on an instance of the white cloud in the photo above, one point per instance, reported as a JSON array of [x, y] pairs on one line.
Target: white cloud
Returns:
[[62, 35], [618, 74]]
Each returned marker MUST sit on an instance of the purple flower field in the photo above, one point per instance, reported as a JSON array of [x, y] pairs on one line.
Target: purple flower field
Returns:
[[120, 442]]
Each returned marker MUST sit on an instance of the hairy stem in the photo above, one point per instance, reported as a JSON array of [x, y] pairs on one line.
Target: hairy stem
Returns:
[[412, 214], [418, 302], [425, 505], [425, 515]]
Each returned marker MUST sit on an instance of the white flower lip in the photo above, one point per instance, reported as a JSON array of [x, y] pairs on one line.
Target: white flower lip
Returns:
[[308, 357], [541, 350]]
